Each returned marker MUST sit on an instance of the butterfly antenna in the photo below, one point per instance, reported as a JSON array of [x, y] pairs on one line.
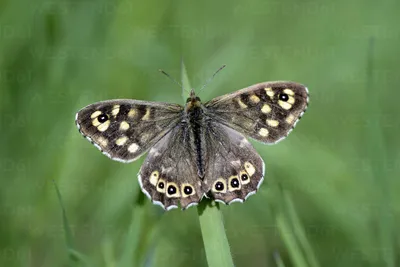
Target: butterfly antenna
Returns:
[[172, 79], [212, 77]]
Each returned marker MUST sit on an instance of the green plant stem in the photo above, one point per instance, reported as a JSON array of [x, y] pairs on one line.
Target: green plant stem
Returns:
[[215, 241]]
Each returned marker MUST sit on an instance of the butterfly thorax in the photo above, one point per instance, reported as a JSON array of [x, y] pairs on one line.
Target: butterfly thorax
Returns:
[[196, 130]]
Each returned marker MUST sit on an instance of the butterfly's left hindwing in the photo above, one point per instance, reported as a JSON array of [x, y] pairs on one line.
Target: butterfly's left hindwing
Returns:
[[125, 129], [168, 175], [266, 112]]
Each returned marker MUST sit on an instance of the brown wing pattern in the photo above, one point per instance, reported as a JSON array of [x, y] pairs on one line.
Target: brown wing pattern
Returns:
[[266, 112], [125, 129]]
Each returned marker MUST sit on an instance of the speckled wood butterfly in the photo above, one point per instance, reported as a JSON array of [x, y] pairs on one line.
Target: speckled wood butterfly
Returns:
[[198, 149]]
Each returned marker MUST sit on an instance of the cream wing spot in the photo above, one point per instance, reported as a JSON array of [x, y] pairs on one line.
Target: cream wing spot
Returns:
[[266, 109], [241, 104], [124, 126], [102, 141], [154, 178], [131, 113], [255, 99], [250, 169], [272, 123], [288, 91], [269, 92], [289, 119], [121, 141], [263, 132], [115, 110], [146, 116], [104, 126], [291, 100], [284, 105], [133, 148], [95, 114], [95, 122]]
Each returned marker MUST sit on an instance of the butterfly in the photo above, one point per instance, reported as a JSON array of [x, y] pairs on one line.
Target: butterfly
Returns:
[[199, 149]]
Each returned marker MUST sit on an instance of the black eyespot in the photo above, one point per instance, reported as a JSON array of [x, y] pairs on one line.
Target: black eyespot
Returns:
[[219, 186], [188, 100], [187, 190], [102, 118], [235, 183], [283, 97], [171, 190], [244, 177], [161, 185]]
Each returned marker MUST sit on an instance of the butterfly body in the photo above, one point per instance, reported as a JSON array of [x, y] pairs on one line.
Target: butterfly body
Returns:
[[195, 130], [199, 149]]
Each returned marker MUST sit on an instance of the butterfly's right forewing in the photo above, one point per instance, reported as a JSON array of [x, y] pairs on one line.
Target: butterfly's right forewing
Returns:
[[267, 111]]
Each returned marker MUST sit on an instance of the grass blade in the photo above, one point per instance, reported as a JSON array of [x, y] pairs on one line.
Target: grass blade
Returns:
[[215, 241], [73, 255]]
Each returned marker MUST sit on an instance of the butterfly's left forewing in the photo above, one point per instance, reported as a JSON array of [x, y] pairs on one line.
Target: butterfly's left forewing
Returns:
[[125, 129], [266, 112]]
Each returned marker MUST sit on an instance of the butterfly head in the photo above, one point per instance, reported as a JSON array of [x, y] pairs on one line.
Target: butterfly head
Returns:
[[193, 100]]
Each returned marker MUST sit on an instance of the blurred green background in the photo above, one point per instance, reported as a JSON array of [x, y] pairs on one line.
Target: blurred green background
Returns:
[[332, 188]]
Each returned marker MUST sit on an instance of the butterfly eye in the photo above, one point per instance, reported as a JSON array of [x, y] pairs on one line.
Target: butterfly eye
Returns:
[[188, 100], [102, 118], [283, 97]]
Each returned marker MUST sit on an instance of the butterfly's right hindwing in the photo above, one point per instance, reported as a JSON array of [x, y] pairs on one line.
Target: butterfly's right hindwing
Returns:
[[235, 170], [125, 129]]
